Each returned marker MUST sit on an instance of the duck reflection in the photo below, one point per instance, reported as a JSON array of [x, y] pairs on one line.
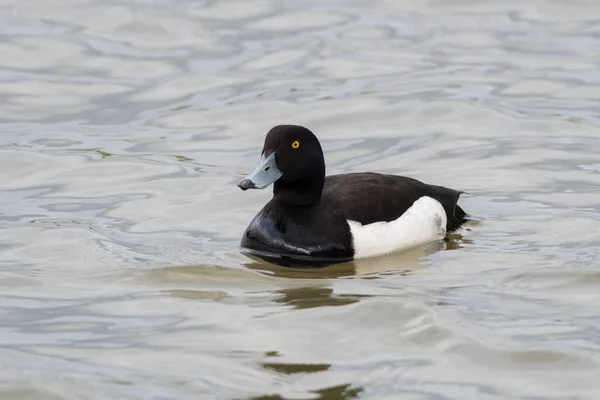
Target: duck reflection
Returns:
[[310, 297], [290, 369], [341, 392], [345, 391]]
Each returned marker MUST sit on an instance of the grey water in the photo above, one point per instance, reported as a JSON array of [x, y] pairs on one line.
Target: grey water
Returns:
[[125, 126]]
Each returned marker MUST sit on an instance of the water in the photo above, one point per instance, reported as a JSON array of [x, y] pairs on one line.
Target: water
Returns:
[[126, 124]]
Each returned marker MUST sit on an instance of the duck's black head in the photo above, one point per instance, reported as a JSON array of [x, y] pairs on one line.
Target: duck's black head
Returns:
[[292, 159]]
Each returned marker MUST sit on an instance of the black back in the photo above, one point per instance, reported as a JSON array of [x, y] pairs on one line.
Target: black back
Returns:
[[369, 197]]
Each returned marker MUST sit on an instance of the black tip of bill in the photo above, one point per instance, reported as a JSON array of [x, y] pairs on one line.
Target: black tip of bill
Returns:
[[246, 184]]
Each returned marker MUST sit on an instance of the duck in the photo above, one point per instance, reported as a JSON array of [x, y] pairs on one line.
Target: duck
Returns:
[[320, 219]]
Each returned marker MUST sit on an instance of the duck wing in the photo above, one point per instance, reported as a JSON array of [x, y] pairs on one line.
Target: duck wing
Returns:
[[371, 197]]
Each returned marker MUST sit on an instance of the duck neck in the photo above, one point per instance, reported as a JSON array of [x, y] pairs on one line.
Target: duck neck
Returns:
[[298, 193]]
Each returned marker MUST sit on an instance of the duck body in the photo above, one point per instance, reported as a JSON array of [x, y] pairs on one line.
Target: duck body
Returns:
[[324, 219]]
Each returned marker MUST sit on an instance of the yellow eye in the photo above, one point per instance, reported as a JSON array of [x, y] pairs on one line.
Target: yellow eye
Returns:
[[296, 144]]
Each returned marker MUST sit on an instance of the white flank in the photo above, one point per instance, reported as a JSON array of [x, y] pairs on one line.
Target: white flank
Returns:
[[423, 222]]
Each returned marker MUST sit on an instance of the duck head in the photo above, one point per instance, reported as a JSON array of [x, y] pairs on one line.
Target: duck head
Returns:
[[292, 160]]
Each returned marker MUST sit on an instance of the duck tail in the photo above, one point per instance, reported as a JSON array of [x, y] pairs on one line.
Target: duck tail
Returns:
[[460, 217]]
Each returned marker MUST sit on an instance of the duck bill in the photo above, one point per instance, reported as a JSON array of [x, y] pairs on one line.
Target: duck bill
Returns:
[[265, 173]]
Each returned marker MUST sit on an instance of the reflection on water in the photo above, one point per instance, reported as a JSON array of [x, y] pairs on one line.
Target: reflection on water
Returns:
[[336, 392], [308, 297], [124, 127], [289, 369]]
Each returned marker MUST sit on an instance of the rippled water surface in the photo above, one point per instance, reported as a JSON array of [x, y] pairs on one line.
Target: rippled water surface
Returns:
[[126, 124]]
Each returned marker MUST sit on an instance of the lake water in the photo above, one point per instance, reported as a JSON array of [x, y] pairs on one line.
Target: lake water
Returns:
[[125, 126]]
